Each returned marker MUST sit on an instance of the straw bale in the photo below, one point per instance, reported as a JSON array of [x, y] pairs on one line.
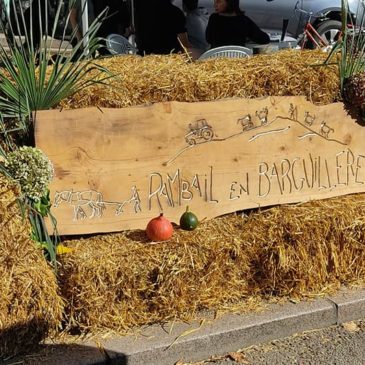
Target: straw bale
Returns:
[[150, 79], [118, 281], [306, 249], [30, 306]]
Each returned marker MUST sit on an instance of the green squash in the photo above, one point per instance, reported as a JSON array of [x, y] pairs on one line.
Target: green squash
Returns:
[[188, 221]]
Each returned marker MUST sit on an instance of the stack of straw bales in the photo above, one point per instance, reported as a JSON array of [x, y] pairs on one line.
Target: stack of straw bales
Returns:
[[30, 306], [118, 281], [150, 79]]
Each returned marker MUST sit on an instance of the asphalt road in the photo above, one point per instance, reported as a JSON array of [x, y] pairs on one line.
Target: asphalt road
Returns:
[[337, 345]]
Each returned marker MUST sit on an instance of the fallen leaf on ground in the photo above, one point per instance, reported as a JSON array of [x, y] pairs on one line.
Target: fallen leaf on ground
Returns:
[[238, 357], [351, 327]]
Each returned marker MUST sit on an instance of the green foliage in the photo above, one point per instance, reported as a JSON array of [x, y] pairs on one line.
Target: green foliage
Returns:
[[43, 205], [37, 211], [33, 171], [33, 78], [350, 48]]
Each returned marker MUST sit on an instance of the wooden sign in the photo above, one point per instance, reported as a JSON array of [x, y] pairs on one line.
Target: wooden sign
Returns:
[[115, 169]]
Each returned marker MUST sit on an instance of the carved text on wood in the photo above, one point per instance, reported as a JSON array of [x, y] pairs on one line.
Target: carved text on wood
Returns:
[[118, 168]]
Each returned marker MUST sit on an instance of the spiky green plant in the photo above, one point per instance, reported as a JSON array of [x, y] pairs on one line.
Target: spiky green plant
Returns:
[[33, 78], [352, 59], [350, 48]]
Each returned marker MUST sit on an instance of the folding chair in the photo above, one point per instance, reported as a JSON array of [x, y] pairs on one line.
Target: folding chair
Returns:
[[227, 51], [117, 44]]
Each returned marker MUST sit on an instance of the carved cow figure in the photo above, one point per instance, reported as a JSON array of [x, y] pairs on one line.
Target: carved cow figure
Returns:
[[246, 122], [326, 130]]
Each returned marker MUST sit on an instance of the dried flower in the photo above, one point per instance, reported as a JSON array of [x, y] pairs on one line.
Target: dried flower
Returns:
[[32, 169]]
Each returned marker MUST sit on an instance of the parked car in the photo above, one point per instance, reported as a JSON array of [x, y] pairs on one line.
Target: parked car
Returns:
[[269, 14]]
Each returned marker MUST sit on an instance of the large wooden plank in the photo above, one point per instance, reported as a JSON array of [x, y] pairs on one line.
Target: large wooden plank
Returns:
[[118, 168]]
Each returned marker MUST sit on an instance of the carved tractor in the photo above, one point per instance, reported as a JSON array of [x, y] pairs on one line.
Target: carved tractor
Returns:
[[199, 131]]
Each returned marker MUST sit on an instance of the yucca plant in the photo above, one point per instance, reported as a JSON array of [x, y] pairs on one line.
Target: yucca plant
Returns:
[[32, 77], [350, 52]]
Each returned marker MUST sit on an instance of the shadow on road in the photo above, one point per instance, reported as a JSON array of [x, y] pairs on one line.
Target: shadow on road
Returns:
[[67, 354]]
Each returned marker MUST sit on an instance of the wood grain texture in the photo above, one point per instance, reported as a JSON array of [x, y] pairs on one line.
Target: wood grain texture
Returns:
[[115, 169]]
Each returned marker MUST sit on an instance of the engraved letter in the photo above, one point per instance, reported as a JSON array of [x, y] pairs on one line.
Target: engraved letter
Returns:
[[185, 193], [357, 169], [350, 164], [263, 170], [293, 175], [156, 191], [196, 184], [166, 193], [284, 173], [171, 180], [234, 195], [274, 172], [338, 167], [211, 199]]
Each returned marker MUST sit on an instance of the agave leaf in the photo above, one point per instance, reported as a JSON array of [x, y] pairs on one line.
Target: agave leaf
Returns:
[[28, 83], [353, 45], [33, 78], [350, 48]]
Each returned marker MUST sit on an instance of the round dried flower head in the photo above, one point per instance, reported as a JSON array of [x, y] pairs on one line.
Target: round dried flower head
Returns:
[[32, 169]]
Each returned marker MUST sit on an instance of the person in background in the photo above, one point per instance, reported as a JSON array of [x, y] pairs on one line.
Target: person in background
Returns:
[[230, 26], [196, 24], [76, 12], [160, 28], [117, 17]]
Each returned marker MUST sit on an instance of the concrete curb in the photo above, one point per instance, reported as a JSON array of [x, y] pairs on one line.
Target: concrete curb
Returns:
[[350, 305], [228, 333], [165, 345]]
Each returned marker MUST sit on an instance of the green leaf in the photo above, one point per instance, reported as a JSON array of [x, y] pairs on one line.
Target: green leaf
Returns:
[[33, 79], [43, 205], [350, 49]]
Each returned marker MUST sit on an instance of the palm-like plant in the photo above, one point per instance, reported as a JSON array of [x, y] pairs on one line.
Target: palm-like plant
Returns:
[[350, 52], [32, 77]]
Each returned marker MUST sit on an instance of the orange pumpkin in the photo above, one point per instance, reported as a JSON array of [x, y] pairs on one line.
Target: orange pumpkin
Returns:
[[159, 229]]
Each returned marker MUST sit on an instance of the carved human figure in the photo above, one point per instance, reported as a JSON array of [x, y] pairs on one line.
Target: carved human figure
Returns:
[[134, 200], [293, 112]]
